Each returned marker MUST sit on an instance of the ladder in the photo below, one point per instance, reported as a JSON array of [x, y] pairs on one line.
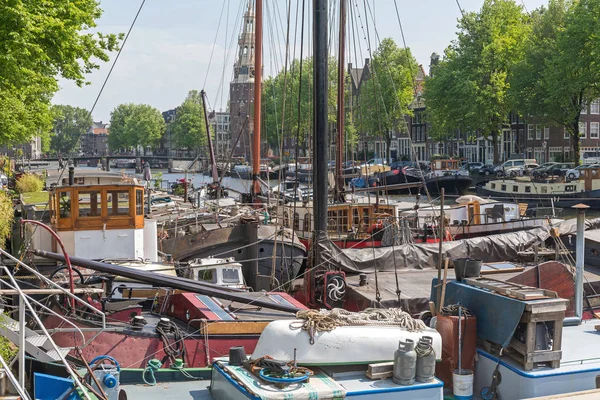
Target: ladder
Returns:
[[521, 292]]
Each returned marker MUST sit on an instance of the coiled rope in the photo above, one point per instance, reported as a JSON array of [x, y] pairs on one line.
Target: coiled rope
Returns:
[[327, 320]]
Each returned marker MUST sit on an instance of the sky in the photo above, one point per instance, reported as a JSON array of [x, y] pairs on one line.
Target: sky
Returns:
[[180, 45]]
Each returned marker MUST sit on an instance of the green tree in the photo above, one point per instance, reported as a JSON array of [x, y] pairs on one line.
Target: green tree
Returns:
[[39, 42], [298, 94], [468, 89], [386, 95], [135, 125], [69, 124], [559, 76], [189, 127]]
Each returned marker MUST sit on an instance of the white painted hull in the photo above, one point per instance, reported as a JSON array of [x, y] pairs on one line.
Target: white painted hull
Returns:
[[343, 345]]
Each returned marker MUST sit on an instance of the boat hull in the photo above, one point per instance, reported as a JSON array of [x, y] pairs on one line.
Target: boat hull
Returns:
[[590, 198], [452, 184]]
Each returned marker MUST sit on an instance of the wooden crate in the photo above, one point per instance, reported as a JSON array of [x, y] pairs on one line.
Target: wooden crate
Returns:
[[549, 311]]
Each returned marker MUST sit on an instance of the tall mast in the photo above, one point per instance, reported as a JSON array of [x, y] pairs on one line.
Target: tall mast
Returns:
[[339, 154], [320, 133], [211, 149], [257, 99]]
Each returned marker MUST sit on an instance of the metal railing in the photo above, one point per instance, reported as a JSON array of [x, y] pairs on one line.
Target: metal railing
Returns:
[[24, 303]]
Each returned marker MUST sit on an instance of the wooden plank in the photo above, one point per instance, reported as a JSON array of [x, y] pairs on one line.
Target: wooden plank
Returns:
[[380, 367], [380, 375], [443, 297], [236, 328], [543, 356]]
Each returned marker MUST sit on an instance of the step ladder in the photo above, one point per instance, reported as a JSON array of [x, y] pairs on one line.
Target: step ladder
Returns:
[[521, 292], [36, 345]]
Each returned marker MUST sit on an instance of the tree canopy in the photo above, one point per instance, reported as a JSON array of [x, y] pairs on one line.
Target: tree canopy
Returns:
[[468, 89], [559, 76], [135, 126], [189, 129], [69, 124], [385, 97], [40, 42]]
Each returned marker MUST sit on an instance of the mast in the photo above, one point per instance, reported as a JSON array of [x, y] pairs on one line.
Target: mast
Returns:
[[257, 100], [339, 154], [211, 149], [320, 133]]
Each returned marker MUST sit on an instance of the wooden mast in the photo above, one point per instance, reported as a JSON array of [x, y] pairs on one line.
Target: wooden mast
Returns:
[[211, 149], [257, 99], [339, 154]]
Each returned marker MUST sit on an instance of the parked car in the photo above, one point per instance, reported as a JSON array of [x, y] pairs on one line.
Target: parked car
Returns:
[[472, 166], [376, 161], [487, 170], [520, 170], [573, 173], [553, 169], [501, 169]]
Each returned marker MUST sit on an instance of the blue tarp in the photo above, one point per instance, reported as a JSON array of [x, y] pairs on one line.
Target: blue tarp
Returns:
[[497, 316]]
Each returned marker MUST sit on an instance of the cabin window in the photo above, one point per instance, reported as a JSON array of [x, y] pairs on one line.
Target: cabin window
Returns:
[[527, 189], [139, 202], [230, 275], [307, 222], [89, 204], [64, 204], [332, 223], [355, 218], [544, 189], [117, 202], [493, 186], [207, 275], [515, 188], [296, 221], [503, 188]]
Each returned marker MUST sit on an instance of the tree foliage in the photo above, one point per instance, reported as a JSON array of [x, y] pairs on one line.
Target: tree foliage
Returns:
[[468, 89], [559, 75], [69, 124], [135, 125], [39, 42], [297, 93], [386, 95], [189, 127]]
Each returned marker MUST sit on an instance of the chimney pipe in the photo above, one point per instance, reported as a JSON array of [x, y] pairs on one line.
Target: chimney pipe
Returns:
[[71, 175], [579, 262]]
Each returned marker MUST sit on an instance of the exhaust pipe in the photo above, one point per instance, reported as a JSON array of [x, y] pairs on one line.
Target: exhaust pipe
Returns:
[[579, 262], [71, 175]]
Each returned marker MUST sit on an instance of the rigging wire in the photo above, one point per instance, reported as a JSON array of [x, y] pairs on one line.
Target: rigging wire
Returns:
[[212, 51]]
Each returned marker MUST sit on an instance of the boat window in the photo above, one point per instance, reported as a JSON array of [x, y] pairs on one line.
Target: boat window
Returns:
[[89, 204], [503, 188], [296, 221], [493, 186], [207, 275], [544, 189], [139, 202], [356, 218], [117, 202], [230, 275], [515, 188], [332, 220], [527, 189], [64, 202], [307, 222]]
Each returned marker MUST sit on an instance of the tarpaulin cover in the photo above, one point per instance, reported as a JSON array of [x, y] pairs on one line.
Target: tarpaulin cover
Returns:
[[497, 315], [493, 248]]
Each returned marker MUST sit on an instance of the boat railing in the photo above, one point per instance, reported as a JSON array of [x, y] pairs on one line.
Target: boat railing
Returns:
[[25, 303], [54, 285], [13, 380]]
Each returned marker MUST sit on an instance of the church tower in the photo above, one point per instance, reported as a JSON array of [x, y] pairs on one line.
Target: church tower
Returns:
[[241, 88]]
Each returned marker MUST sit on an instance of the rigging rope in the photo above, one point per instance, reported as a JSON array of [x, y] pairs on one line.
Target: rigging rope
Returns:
[[327, 320]]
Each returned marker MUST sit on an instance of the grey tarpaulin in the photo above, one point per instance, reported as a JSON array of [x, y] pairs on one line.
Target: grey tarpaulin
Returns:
[[493, 248]]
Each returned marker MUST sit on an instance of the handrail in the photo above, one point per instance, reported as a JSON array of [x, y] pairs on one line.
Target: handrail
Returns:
[[20, 292], [22, 392], [25, 300], [62, 246], [48, 281]]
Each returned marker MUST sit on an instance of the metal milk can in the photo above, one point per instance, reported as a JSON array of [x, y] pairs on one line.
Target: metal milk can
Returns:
[[425, 359], [405, 363]]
